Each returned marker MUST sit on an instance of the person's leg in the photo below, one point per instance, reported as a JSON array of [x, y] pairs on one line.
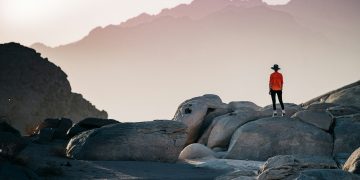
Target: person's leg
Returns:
[[279, 94], [273, 98]]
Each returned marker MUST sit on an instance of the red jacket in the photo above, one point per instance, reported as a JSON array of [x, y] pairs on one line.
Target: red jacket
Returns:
[[276, 81]]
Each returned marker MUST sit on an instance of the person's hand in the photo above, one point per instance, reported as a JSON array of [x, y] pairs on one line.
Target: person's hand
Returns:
[[269, 91]]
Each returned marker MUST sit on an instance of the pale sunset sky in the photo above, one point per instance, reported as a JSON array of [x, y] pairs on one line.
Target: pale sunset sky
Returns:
[[140, 84], [58, 22]]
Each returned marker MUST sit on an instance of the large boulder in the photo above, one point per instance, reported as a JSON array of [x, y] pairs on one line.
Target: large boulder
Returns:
[[234, 105], [192, 113], [265, 138], [11, 143], [346, 97], [328, 174], [289, 166], [338, 111], [207, 123], [159, 140], [353, 163], [290, 109], [224, 126], [319, 118], [88, 124], [58, 126], [320, 106], [33, 89], [196, 151], [346, 134]]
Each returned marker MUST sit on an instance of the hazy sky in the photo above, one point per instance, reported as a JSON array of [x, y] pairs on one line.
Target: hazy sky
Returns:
[[58, 22]]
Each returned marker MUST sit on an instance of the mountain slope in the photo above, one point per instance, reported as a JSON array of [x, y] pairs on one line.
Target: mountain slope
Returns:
[[32, 89]]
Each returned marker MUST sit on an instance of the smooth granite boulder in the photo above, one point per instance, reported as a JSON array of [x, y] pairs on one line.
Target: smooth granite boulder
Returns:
[[289, 166], [192, 113], [346, 97], [319, 118], [338, 111], [347, 134], [196, 151], [223, 127], [159, 140], [268, 137]]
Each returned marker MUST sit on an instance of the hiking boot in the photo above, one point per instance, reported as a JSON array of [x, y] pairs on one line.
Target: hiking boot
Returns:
[[274, 114], [283, 113]]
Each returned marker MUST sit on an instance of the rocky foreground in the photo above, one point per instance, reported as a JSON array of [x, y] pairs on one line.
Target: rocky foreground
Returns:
[[68, 138], [206, 139]]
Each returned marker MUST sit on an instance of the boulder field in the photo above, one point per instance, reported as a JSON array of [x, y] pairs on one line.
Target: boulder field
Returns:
[[317, 140]]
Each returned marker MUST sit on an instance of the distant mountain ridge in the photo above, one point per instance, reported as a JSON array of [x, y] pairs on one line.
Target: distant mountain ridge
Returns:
[[208, 45]]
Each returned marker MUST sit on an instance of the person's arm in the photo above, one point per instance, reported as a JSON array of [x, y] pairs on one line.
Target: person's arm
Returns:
[[270, 84], [282, 82]]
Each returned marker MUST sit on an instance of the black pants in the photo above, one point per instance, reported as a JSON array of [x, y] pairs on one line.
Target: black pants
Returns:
[[273, 98]]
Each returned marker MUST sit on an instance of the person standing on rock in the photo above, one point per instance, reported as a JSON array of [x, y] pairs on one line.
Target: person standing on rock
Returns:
[[276, 85]]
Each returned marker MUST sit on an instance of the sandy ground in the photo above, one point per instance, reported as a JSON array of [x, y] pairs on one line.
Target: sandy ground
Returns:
[[49, 155]]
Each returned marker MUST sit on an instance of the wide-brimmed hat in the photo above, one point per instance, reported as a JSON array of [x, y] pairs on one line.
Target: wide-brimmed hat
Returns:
[[275, 67]]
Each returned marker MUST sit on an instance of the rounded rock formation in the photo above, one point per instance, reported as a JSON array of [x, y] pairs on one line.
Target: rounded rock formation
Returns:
[[346, 134], [318, 118], [196, 151], [192, 113], [159, 140], [264, 138]]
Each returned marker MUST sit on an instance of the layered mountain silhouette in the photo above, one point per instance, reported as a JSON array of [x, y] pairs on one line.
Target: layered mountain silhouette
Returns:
[[33, 89], [209, 45]]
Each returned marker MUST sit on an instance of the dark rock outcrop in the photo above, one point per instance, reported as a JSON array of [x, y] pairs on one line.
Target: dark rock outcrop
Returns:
[[288, 167], [57, 127], [159, 140], [88, 124], [338, 111], [11, 143], [347, 134], [347, 96], [328, 174], [353, 163], [319, 118], [33, 89], [265, 138]]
